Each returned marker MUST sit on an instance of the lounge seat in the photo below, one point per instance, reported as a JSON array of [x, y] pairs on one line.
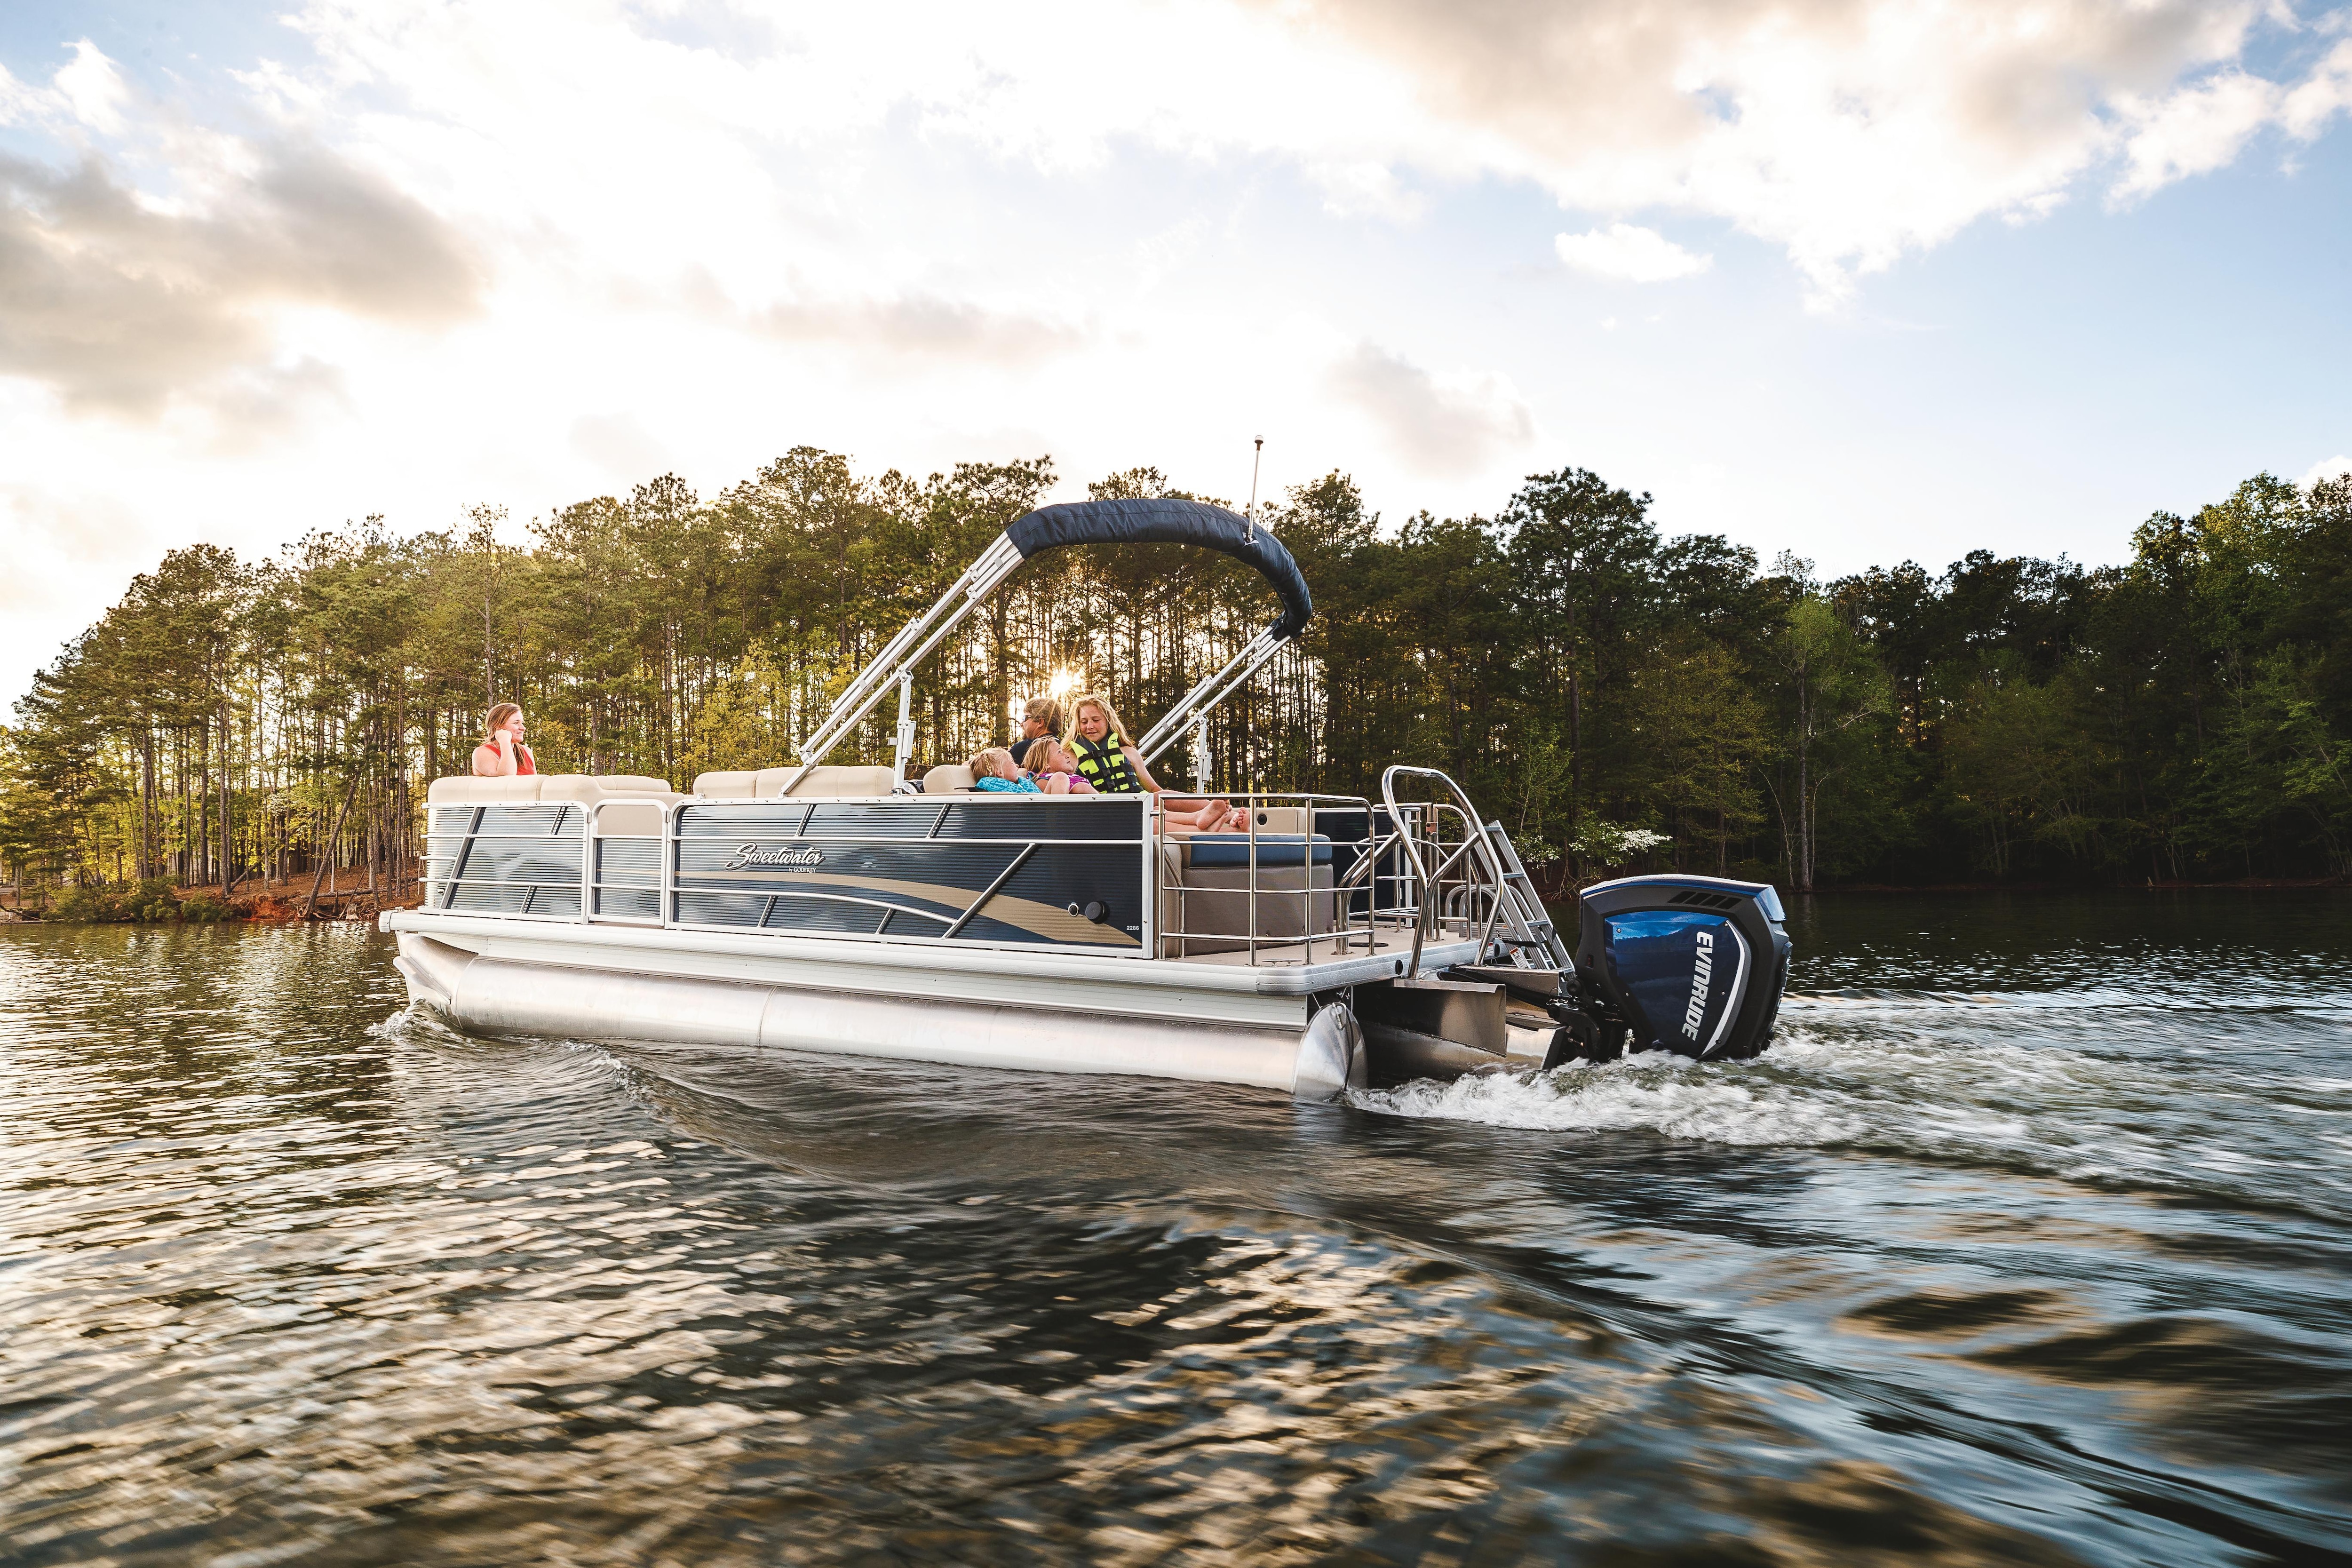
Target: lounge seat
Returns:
[[1213, 903], [947, 778], [819, 783], [1206, 851], [587, 789]]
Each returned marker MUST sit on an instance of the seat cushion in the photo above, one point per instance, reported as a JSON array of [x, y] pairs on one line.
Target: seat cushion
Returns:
[[728, 784], [947, 778], [1214, 907], [629, 819], [466, 790], [1208, 850], [821, 783], [633, 783]]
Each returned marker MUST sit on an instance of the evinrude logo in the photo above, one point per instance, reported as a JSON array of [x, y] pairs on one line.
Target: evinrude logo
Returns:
[[781, 854], [1693, 1015]]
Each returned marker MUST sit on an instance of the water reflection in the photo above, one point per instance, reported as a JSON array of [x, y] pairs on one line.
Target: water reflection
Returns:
[[2029, 1279]]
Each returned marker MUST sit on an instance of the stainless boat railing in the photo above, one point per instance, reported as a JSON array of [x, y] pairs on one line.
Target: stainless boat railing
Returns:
[[1478, 874], [1307, 885], [1309, 877], [1429, 867]]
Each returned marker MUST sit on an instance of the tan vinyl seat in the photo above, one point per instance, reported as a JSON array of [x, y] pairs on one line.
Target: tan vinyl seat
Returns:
[[631, 818], [1214, 904], [819, 783], [470, 791], [947, 778], [588, 789]]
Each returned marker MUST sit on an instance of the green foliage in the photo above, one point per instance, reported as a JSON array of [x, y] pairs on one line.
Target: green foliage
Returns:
[[148, 902], [1619, 699]]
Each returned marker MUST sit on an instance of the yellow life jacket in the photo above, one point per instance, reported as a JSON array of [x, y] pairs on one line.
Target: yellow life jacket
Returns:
[[1104, 765]]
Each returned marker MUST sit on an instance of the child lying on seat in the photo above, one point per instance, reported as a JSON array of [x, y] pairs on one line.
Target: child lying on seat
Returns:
[[1053, 769], [994, 769]]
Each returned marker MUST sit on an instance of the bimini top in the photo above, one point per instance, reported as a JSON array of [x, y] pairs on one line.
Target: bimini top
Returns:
[[1171, 522], [1050, 528]]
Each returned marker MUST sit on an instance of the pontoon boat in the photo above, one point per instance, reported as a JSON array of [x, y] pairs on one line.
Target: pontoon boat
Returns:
[[1332, 941]]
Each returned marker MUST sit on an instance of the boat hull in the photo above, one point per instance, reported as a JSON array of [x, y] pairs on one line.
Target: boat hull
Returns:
[[1280, 1043]]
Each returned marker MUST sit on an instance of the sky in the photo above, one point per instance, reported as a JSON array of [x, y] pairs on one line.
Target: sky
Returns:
[[1864, 281]]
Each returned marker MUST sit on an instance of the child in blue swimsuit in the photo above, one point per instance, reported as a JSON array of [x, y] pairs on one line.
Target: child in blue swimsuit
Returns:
[[995, 771]]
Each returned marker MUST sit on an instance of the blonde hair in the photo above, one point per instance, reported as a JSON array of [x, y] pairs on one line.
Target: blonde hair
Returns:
[[1047, 711], [984, 764], [499, 716], [1029, 757], [1110, 716]]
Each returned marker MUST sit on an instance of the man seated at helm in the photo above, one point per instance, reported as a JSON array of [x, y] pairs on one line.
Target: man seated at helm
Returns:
[[1043, 716]]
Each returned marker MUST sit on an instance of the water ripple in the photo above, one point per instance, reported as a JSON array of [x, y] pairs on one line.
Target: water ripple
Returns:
[[1990, 1260]]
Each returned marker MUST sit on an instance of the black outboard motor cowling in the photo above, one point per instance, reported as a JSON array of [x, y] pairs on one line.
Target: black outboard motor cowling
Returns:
[[1690, 964]]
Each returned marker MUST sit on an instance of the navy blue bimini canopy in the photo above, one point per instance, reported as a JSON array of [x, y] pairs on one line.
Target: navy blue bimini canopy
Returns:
[[1171, 522]]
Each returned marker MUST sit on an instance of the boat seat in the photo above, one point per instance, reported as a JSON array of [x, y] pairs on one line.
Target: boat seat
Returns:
[[1284, 819], [636, 818], [819, 783], [470, 791], [1214, 904], [1223, 851], [588, 789], [947, 778]]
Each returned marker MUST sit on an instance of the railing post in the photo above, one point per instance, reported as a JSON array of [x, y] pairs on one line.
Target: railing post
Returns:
[[906, 732]]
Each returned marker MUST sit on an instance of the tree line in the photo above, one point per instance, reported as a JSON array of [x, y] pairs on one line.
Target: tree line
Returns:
[[1619, 699]]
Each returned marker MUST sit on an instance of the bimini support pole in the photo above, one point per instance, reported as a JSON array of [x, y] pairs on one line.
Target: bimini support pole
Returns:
[[1213, 691], [1201, 771], [896, 661], [906, 731]]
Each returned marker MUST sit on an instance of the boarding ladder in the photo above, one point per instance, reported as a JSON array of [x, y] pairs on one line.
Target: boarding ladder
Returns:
[[1515, 916]]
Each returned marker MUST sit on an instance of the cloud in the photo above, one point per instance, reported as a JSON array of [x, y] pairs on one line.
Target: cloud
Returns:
[[55, 540], [117, 298], [621, 445], [2324, 469], [1850, 133], [1443, 423], [920, 323], [1631, 253]]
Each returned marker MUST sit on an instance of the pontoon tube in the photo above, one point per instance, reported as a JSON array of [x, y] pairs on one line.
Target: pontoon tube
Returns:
[[502, 996]]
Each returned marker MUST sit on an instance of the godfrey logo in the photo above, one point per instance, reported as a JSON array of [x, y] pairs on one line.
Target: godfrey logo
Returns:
[[1696, 1012], [781, 854]]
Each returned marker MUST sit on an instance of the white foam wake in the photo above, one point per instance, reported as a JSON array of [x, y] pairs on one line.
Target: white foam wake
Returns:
[[1654, 1090], [2101, 1104]]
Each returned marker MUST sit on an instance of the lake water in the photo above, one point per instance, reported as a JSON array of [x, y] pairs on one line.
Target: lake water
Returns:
[[2030, 1242]]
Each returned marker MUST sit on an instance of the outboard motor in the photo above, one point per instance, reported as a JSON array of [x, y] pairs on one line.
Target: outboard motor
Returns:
[[1690, 964]]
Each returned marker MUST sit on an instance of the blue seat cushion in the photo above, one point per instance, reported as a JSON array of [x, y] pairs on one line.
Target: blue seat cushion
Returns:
[[1214, 850]]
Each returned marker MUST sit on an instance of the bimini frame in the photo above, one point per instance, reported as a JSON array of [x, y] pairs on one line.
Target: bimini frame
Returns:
[[1053, 527]]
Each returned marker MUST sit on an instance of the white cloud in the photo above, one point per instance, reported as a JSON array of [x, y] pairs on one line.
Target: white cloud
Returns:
[[2325, 468], [1630, 253], [435, 254], [1444, 422], [2195, 131], [621, 446]]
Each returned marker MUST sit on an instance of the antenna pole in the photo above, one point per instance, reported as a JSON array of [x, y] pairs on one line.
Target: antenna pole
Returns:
[[1250, 512]]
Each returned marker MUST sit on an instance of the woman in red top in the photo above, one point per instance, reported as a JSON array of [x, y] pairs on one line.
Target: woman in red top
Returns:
[[502, 754]]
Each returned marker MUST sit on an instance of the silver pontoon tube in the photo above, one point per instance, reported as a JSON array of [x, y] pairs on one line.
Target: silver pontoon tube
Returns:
[[507, 996]]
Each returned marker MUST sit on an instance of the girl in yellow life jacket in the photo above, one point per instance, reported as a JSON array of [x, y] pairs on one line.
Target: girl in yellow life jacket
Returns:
[[1106, 760]]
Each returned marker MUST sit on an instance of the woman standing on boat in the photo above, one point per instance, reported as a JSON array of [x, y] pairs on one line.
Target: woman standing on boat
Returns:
[[1099, 741], [502, 754]]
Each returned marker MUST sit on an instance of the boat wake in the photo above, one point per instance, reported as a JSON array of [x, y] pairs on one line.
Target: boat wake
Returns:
[[2167, 1106]]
